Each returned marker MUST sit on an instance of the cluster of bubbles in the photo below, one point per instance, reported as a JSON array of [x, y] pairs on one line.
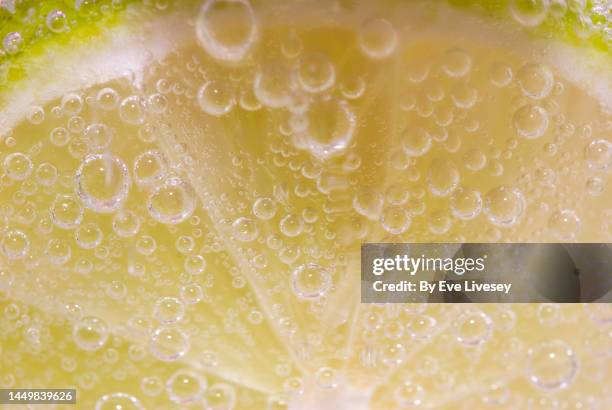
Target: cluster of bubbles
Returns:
[[588, 19]]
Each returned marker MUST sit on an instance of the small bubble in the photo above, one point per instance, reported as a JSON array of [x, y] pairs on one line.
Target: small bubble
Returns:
[[529, 13], [192, 293], [98, 136], [328, 129], [353, 88], [185, 386], [184, 244], [473, 328], [409, 394], [535, 80], [316, 72], [220, 396], [264, 208], [395, 220], [126, 223], [326, 378], [157, 103], [456, 63], [169, 343], [59, 137], [103, 182], [377, 38], [149, 167], [194, 264], [530, 121], [245, 229], [443, 177], [90, 333], [72, 103], [66, 212], [564, 224], [172, 202], [598, 153], [311, 281], [416, 142], [132, 110], [15, 244], [291, 225], [146, 245], [17, 166], [36, 115], [118, 401], [504, 205], [500, 75], [107, 99], [168, 310], [216, 98], [466, 203], [116, 290], [12, 42], [227, 29], [151, 386], [551, 365]]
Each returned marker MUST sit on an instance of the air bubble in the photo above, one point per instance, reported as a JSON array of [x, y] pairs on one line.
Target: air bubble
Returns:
[[220, 396], [169, 343], [149, 168], [395, 220], [535, 80], [500, 75], [551, 365], [416, 142], [107, 99], [329, 125], [245, 229], [264, 208], [216, 98], [15, 244], [17, 166], [466, 203], [227, 29], [185, 386], [409, 394], [132, 110], [291, 225], [530, 121], [377, 38], [98, 136], [103, 182], [172, 202], [529, 13], [12, 42], [118, 401], [168, 310], [443, 177], [599, 154], [90, 333], [66, 212], [126, 223], [473, 328], [316, 72], [311, 281], [504, 205], [456, 63], [564, 224]]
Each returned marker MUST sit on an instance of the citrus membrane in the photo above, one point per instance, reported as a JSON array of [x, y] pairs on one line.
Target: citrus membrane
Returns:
[[185, 187]]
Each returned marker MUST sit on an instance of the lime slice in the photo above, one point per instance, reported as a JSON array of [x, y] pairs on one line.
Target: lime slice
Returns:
[[185, 187]]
